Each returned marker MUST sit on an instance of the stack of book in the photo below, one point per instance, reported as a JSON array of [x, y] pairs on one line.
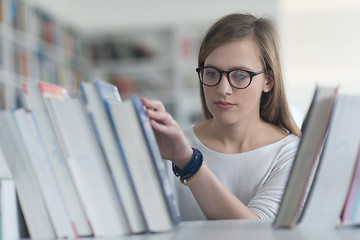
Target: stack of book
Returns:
[[10, 215], [323, 187], [86, 167], [91, 166]]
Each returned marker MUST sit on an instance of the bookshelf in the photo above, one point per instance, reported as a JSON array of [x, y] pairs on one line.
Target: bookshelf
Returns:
[[157, 63], [35, 46]]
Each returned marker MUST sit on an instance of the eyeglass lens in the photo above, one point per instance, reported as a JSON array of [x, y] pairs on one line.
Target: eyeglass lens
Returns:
[[238, 78]]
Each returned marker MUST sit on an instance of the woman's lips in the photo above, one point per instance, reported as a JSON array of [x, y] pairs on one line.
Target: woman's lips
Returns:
[[224, 104]]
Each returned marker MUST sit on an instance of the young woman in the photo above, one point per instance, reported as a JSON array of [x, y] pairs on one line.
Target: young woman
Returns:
[[235, 164]]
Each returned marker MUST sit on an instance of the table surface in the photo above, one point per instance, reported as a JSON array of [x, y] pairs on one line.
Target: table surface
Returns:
[[247, 229]]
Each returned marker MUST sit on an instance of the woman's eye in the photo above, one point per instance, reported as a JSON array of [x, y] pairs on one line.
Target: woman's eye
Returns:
[[210, 73], [239, 76]]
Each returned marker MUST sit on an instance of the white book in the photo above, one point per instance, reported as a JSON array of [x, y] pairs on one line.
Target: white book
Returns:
[[158, 161], [9, 211], [351, 211], [35, 100], [338, 158], [4, 168], [132, 142], [107, 140], [307, 157], [88, 168], [44, 173], [32, 203]]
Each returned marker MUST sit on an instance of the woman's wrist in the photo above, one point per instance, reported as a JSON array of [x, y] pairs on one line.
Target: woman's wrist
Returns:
[[183, 160], [191, 168]]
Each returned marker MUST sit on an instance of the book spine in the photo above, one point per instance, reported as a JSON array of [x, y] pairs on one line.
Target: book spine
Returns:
[[157, 159]]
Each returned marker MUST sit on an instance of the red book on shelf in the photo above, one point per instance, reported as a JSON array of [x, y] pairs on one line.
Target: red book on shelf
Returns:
[[53, 90]]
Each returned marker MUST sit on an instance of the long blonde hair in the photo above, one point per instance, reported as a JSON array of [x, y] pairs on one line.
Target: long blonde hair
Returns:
[[273, 106]]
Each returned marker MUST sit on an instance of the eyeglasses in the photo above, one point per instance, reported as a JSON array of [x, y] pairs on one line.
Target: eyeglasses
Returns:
[[238, 78]]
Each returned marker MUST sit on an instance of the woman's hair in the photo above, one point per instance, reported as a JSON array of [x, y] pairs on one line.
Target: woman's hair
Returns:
[[273, 106]]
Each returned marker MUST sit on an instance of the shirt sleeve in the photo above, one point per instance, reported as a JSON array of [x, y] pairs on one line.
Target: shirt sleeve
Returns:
[[268, 197]]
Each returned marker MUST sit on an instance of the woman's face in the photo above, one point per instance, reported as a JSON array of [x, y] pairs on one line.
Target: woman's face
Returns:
[[227, 104]]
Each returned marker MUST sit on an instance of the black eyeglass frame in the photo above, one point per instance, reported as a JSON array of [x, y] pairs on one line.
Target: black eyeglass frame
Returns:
[[251, 74]]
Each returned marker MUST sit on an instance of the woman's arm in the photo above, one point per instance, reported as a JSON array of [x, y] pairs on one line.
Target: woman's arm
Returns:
[[214, 199]]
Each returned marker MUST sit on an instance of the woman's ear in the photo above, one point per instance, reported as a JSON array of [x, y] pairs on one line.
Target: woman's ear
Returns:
[[268, 81]]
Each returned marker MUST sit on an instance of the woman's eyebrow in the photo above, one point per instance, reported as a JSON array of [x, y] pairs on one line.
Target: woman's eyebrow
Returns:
[[229, 69]]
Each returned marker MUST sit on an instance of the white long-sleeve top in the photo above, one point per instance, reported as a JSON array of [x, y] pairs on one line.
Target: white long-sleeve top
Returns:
[[258, 177]]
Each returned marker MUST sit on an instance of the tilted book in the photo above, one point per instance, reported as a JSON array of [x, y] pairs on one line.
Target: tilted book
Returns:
[[157, 159], [35, 95], [351, 211], [4, 168], [9, 210], [88, 168], [338, 157], [307, 158], [29, 193], [145, 164], [45, 177], [94, 95]]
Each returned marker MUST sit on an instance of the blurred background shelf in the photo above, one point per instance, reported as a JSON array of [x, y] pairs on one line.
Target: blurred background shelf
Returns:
[[150, 48]]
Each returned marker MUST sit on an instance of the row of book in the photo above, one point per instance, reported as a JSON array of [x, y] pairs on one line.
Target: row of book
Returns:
[[36, 46], [22, 61], [323, 189], [87, 166], [28, 18], [90, 166]]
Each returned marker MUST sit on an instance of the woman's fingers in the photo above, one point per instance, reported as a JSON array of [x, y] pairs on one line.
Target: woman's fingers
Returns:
[[154, 105], [161, 120], [161, 117], [158, 126]]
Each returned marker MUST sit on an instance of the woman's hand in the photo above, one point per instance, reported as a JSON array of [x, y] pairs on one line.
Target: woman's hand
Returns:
[[214, 199], [170, 137]]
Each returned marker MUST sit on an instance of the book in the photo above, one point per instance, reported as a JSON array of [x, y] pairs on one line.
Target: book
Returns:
[[351, 212], [45, 177], [32, 204], [307, 158], [157, 159], [329, 189], [94, 95], [107, 91], [87, 167], [35, 95], [148, 174], [53, 90], [4, 168], [9, 211]]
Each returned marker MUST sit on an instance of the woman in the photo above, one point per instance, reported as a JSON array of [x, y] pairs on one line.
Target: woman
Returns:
[[235, 164]]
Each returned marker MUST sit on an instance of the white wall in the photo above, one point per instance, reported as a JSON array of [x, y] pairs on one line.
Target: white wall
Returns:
[[95, 16], [321, 45], [320, 38]]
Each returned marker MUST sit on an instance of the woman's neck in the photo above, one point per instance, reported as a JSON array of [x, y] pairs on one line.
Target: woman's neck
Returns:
[[229, 138], [237, 138]]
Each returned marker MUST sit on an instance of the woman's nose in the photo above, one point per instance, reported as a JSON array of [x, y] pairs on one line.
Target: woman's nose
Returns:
[[224, 86]]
